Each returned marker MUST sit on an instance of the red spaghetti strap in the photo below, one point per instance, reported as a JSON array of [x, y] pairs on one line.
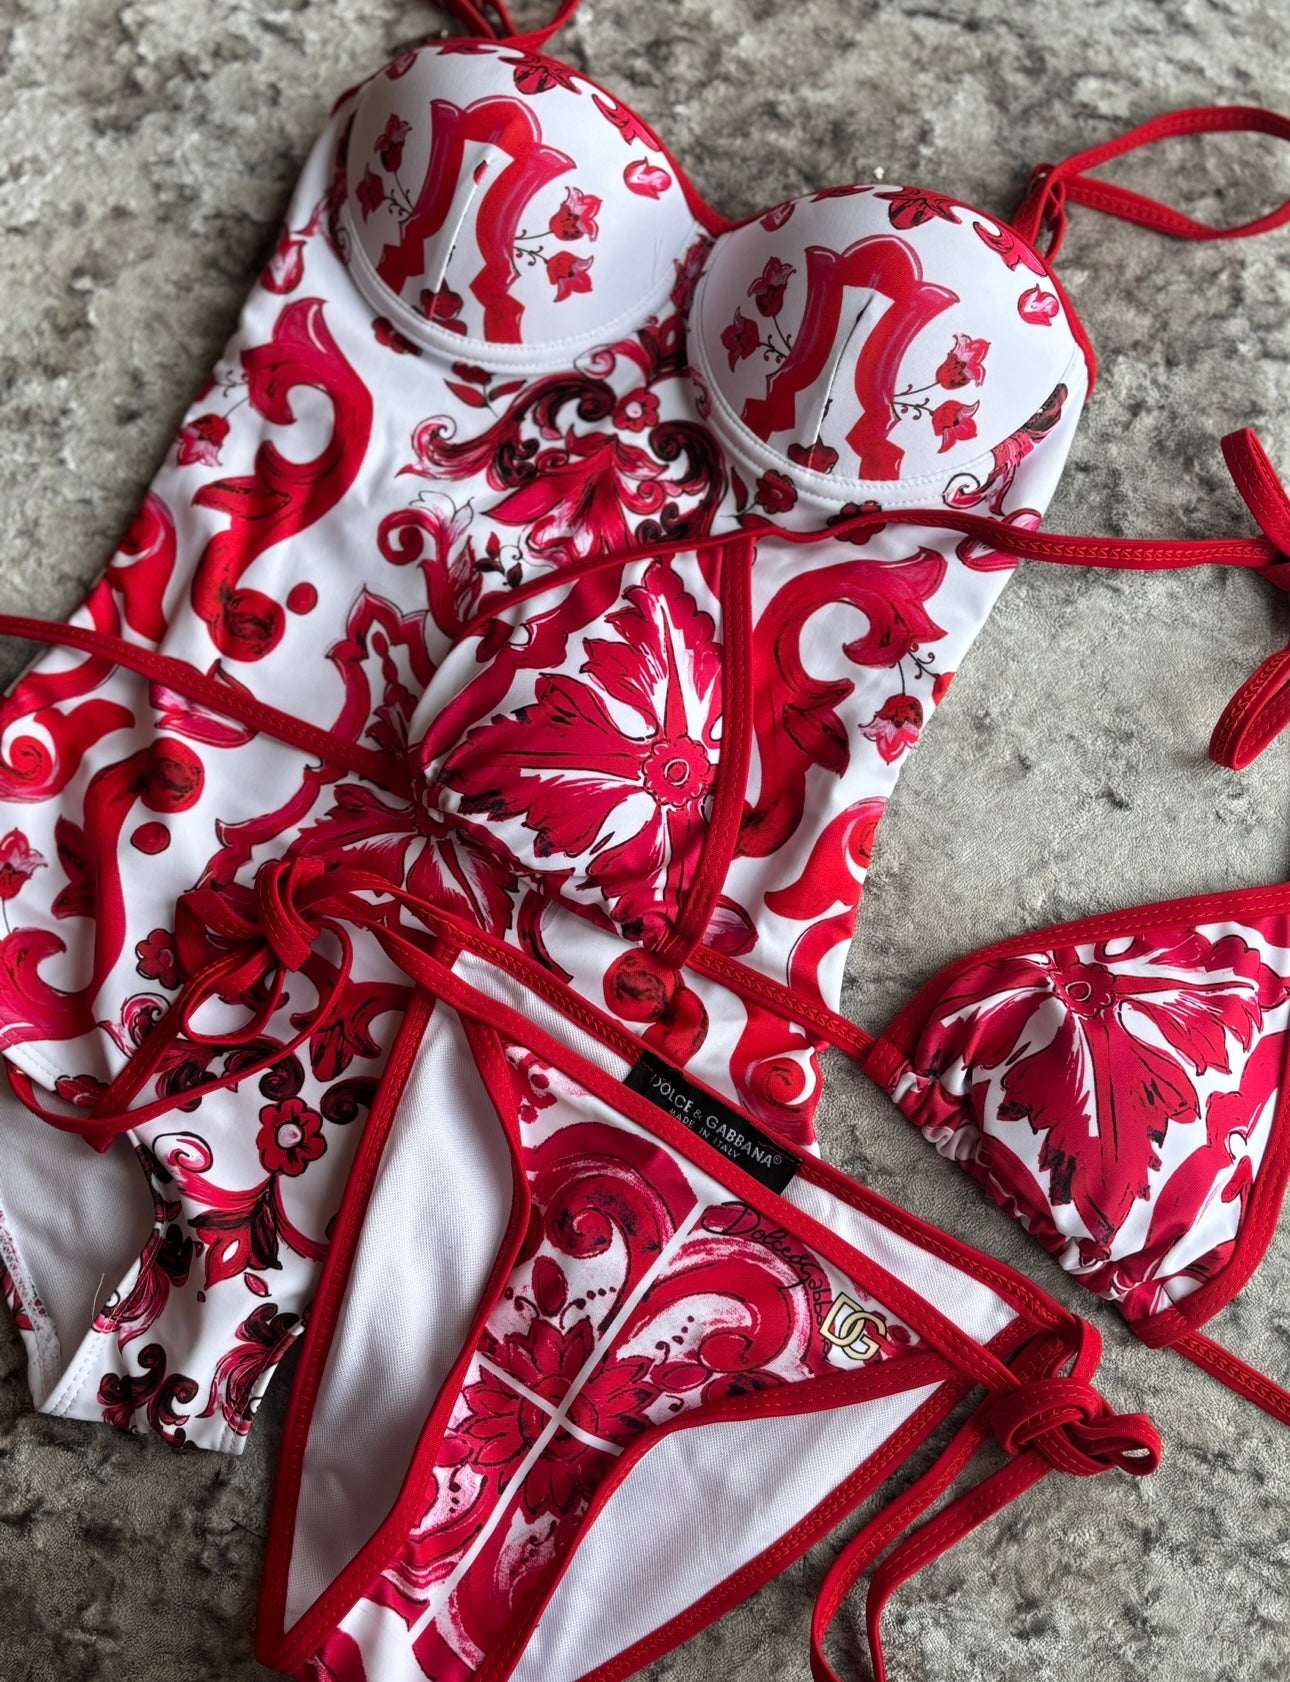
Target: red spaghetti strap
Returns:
[[221, 698], [1235, 1374], [475, 16], [533, 39], [1054, 186], [1260, 710]]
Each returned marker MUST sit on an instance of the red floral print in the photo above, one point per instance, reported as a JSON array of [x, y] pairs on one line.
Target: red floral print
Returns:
[[895, 726], [1095, 1047], [286, 268], [389, 146], [647, 179], [910, 207], [18, 863], [1013, 251], [443, 307], [954, 421], [965, 364], [201, 440], [263, 1338], [775, 218], [569, 274], [741, 338], [637, 411], [629, 800], [1038, 307], [817, 458], [290, 1137], [576, 217], [157, 958], [775, 492], [854, 510], [387, 334], [535, 74], [370, 192], [767, 291]]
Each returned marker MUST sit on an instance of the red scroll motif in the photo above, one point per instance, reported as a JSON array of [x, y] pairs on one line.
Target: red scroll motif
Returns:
[[508, 126], [877, 264], [281, 497]]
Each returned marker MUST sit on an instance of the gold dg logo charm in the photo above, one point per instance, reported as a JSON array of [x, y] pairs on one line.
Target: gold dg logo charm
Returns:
[[852, 1329]]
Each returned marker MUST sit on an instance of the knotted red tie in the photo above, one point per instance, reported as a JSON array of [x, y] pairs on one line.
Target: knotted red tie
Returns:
[[1046, 1424]]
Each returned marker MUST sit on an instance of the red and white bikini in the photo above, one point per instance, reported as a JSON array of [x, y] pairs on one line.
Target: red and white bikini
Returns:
[[433, 849]]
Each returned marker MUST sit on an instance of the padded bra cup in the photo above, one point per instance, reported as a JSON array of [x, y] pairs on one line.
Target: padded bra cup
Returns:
[[502, 208]]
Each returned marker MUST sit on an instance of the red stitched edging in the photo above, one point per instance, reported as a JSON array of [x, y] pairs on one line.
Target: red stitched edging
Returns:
[[276, 1646], [793, 1399], [731, 782], [749, 983], [322, 1318], [376, 767], [1236, 1375]]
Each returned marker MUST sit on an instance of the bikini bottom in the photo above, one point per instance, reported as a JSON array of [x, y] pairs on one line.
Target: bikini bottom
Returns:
[[592, 1358]]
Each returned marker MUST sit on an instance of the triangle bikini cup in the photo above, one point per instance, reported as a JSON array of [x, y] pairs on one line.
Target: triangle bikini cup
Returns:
[[1118, 1084]]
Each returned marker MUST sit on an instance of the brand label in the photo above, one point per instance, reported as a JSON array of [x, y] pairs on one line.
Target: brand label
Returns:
[[737, 1139], [853, 1329]]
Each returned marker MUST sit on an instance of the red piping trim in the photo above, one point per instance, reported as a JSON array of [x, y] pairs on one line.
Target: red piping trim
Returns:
[[731, 782], [376, 767]]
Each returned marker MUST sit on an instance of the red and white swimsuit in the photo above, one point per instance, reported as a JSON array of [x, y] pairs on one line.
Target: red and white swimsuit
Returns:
[[482, 728]]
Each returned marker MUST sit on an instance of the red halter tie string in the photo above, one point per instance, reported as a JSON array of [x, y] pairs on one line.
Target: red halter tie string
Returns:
[[1055, 186], [1260, 710]]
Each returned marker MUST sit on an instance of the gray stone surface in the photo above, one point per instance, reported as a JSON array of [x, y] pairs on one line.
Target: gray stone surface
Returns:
[[146, 152]]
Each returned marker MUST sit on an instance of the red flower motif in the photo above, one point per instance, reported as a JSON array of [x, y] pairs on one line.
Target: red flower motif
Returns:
[[776, 493], [636, 411], [201, 440], [370, 192], [940, 686], [741, 338], [140, 1014], [965, 364], [286, 268], [767, 291], [1009, 247], [157, 958], [263, 1339], [1038, 307], [1094, 1047], [647, 179], [443, 307], [818, 458], [535, 74], [576, 217], [627, 798], [953, 421], [910, 207], [775, 218], [569, 274], [688, 271], [895, 726], [387, 334], [18, 863], [290, 1137], [389, 146], [83, 1091], [853, 511]]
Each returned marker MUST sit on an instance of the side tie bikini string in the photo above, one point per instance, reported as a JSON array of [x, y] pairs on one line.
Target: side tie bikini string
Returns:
[[1050, 1423]]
